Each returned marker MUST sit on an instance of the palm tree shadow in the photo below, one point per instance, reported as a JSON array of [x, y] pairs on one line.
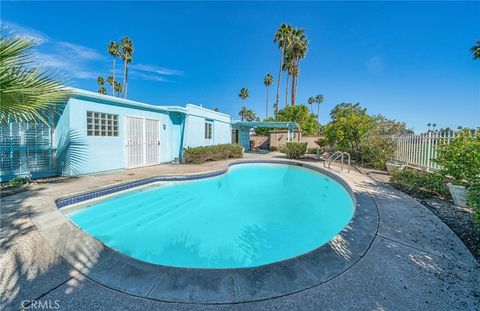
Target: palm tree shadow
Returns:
[[71, 153]]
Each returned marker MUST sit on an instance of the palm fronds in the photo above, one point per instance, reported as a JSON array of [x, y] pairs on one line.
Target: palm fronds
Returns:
[[476, 50], [27, 93]]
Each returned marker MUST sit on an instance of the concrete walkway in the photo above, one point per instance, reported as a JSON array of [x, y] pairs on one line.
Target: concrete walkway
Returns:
[[414, 263]]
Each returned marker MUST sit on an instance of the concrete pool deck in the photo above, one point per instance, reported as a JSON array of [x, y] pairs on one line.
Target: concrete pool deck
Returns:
[[414, 261]]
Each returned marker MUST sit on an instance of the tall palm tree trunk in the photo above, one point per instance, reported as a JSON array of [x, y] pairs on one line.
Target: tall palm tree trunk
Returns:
[[125, 79], [266, 106], [293, 90], [286, 90], [113, 83], [296, 78], [294, 74], [318, 119], [243, 108], [278, 81]]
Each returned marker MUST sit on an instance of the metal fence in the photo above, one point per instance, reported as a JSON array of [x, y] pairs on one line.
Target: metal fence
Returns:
[[26, 151], [419, 150]]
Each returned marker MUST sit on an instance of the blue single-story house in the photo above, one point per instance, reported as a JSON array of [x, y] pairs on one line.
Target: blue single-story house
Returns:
[[95, 133], [92, 133]]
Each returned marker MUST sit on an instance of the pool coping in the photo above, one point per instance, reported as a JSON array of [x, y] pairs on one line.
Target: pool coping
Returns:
[[120, 272]]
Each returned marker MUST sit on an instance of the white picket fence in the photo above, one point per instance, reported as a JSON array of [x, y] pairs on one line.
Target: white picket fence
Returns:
[[419, 150]]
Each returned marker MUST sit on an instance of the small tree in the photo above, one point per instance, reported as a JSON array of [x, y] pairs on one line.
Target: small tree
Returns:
[[350, 123], [301, 115], [460, 159]]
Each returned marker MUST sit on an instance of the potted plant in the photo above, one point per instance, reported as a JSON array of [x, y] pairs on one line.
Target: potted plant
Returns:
[[460, 164], [393, 166]]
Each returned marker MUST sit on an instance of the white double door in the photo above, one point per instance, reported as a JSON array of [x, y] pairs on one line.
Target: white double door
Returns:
[[142, 142]]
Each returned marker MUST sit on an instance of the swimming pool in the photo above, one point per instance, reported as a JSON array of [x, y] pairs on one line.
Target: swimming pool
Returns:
[[252, 215]]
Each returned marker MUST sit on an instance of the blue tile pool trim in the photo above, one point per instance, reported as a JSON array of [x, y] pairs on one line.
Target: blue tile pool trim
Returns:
[[96, 194], [99, 193]]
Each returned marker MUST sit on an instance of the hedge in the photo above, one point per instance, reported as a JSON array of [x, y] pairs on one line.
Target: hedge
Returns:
[[211, 153], [295, 150]]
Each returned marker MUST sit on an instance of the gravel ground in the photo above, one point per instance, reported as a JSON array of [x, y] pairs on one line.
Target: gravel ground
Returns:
[[459, 220], [456, 218]]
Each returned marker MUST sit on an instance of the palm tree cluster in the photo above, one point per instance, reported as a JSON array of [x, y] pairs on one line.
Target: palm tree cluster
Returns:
[[27, 93], [293, 46], [124, 50]]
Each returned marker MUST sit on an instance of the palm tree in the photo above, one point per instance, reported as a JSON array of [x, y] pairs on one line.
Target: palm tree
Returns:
[[298, 49], [288, 68], [126, 55], [476, 50], [282, 37], [318, 99], [267, 80], [118, 88], [101, 83], [27, 94], [243, 95], [111, 82], [114, 51], [311, 101]]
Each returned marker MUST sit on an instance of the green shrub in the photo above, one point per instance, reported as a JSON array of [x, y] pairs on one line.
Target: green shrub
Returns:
[[211, 153], [15, 182], [314, 150], [295, 150], [376, 150], [474, 200], [420, 184], [460, 159]]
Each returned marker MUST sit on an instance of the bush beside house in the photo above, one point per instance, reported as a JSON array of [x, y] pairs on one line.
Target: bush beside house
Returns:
[[203, 154]]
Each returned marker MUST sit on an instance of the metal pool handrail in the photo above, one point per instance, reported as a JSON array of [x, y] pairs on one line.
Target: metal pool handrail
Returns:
[[335, 156]]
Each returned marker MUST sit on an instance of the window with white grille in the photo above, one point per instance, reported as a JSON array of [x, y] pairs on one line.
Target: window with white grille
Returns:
[[102, 124], [208, 130]]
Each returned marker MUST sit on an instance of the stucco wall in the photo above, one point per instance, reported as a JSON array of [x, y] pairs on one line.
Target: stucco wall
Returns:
[[108, 153], [195, 127]]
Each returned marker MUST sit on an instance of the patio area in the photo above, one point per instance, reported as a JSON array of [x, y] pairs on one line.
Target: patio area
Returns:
[[412, 260]]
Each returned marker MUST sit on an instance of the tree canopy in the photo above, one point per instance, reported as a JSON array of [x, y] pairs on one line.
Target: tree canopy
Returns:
[[301, 115]]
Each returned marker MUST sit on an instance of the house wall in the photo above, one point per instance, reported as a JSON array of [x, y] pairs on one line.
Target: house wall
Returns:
[[195, 127], [99, 153], [72, 152]]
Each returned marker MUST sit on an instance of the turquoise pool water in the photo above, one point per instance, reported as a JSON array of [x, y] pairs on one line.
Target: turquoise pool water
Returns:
[[253, 215]]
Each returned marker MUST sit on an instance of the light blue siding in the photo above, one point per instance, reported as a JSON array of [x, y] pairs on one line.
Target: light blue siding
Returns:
[[108, 153], [195, 127], [77, 153]]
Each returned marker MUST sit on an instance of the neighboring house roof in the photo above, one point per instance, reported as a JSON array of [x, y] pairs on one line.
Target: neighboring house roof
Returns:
[[273, 124]]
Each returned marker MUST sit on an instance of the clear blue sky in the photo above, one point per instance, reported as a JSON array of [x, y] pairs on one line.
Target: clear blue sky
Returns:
[[408, 61]]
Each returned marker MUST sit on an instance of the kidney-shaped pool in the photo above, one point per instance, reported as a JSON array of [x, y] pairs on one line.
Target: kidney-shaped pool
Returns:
[[252, 215]]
